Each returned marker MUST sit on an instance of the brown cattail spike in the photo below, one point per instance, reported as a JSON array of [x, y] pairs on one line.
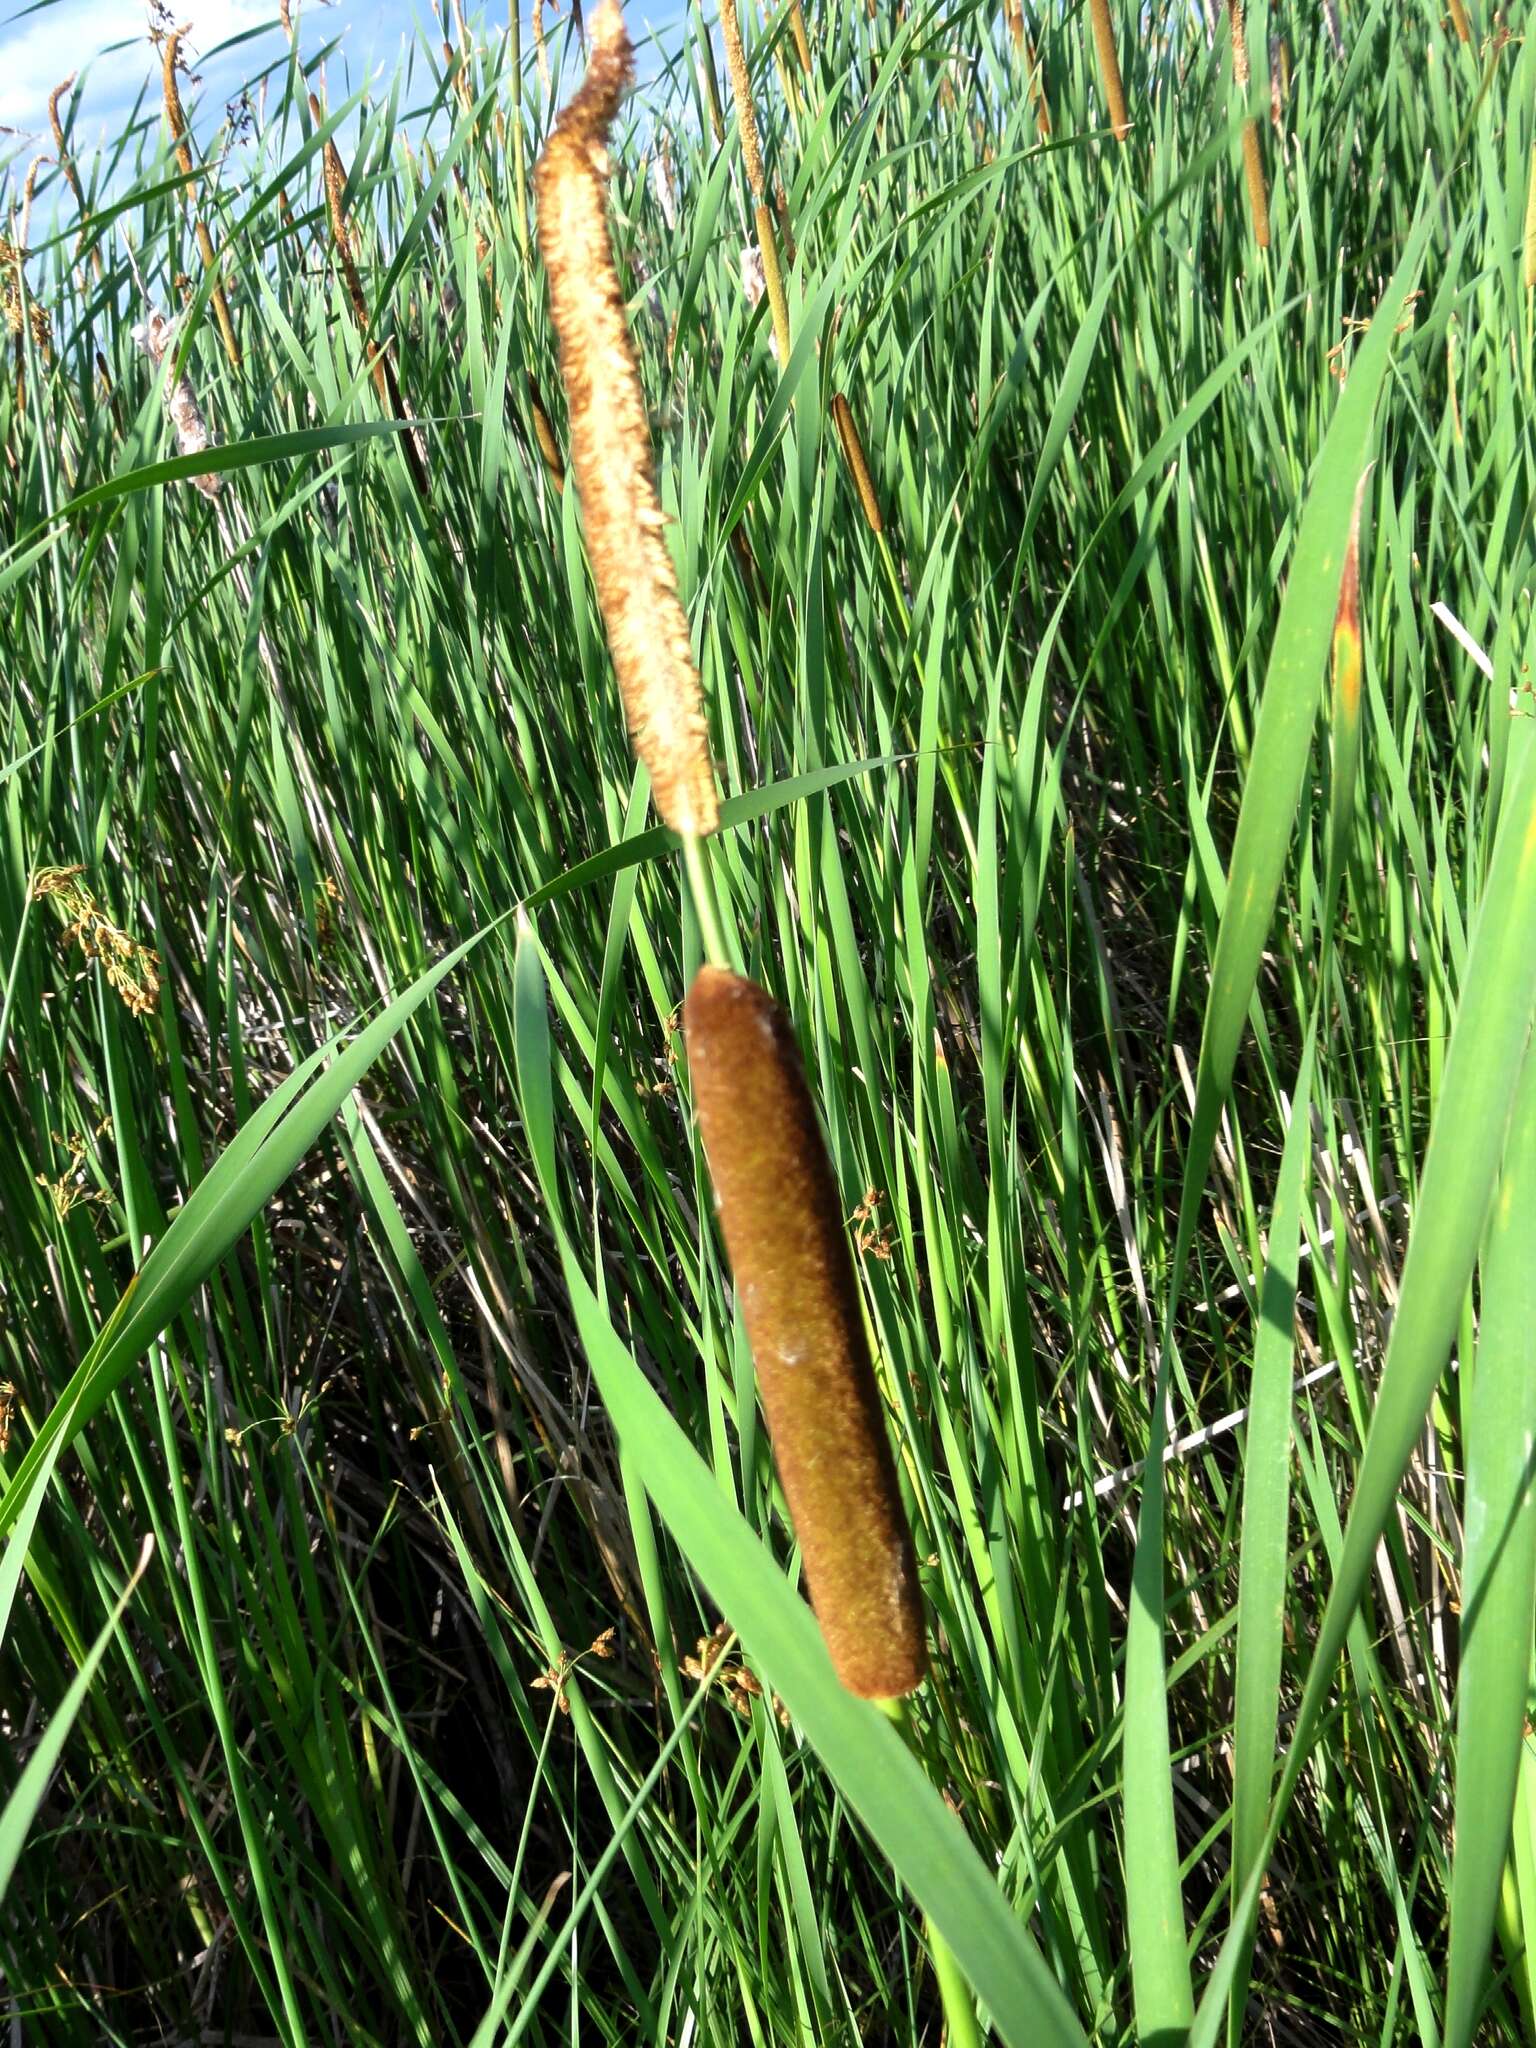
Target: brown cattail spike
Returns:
[[610, 445], [858, 464], [1253, 155], [798, 31], [741, 87], [1109, 68], [783, 1226]]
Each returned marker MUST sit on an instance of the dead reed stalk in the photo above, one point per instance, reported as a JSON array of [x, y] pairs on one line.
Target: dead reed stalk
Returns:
[[177, 122], [155, 335], [782, 1220], [610, 444], [1109, 68]]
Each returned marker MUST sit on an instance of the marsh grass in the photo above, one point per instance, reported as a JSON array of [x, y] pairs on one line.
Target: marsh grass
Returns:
[[389, 1306]]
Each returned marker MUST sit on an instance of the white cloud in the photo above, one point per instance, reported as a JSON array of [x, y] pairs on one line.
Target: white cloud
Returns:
[[43, 48]]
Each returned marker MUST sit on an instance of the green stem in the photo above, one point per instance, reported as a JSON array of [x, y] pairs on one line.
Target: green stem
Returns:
[[961, 2026], [701, 884]]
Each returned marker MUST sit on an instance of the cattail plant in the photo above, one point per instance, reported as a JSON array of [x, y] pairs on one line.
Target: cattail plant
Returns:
[[1530, 227], [176, 120], [858, 463], [757, 178], [1109, 68], [1253, 158], [379, 360], [68, 166], [783, 1225], [610, 445]]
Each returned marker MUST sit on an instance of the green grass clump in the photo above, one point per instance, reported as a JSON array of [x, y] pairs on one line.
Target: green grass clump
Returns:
[[401, 1636]]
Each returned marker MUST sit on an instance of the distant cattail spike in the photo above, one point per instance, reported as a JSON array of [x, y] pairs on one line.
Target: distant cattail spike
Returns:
[[67, 165], [1253, 155], [1460, 21], [1109, 68], [177, 122], [1258, 191], [858, 464], [610, 445], [783, 1225], [741, 88], [798, 31], [334, 172]]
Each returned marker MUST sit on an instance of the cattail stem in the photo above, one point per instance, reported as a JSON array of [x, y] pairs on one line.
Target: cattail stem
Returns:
[[782, 1219], [1530, 227], [177, 121], [960, 2024], [1109, 68], [701, 888]]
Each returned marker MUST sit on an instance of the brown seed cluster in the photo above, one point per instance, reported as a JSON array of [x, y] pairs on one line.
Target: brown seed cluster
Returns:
[[132, 969], [783, 1225], [610, 445]]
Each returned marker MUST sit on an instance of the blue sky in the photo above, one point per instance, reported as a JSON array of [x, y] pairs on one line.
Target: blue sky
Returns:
[[43, 43]]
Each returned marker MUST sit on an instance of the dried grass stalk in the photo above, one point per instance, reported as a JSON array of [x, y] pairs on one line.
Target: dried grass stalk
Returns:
[[1109, 68], [177, 121], [858, 464], [155, 335], [783, 1224], [610, 444]]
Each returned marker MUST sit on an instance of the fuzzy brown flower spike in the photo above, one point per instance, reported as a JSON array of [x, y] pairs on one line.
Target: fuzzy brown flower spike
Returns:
[[610, 445], [783, 1225]]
